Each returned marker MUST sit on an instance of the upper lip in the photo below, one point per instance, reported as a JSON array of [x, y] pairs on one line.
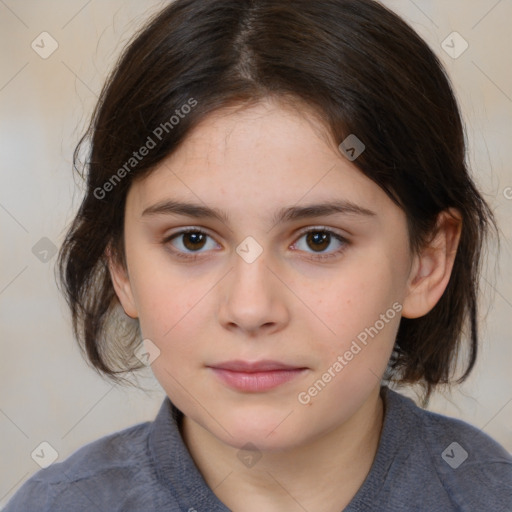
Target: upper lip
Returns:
[[255, 366]]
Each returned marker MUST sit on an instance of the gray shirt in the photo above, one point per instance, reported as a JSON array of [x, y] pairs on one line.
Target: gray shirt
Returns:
[[424, 462]]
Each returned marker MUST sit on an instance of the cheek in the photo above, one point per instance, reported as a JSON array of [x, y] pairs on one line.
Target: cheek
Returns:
[[170, 315], [361, 307], [358, 295], [168, 298]]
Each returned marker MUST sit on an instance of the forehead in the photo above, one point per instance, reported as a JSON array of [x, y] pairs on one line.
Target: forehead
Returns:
[[257, 159]]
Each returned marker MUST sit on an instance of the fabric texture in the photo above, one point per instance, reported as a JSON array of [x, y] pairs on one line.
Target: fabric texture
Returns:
[[424, 462]]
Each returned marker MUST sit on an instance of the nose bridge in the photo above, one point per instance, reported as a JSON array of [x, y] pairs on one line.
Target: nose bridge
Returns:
[[251, 278], [250, 264], [252, 297]]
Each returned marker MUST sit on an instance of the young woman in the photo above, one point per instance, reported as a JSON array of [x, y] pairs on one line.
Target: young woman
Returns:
[[278, 205]]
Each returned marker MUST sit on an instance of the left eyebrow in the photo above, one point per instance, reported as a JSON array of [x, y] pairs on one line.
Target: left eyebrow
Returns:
[[288, 214], [320, 210]]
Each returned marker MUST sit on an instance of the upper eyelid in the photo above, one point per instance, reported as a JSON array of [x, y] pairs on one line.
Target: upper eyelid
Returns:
[[206, 231], [322, 228]]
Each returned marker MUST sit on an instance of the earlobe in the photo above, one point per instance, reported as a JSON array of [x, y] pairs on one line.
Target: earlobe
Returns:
[[432, 267], [121, 283]]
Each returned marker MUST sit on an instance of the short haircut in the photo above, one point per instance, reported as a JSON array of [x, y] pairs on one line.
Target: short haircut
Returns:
[[354, 63]]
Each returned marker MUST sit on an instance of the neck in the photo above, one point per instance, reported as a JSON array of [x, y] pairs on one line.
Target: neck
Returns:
[[323, 475]]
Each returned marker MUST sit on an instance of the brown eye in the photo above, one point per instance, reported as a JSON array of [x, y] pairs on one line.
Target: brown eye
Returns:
[[194, 240], [189, 242], [318, 240]]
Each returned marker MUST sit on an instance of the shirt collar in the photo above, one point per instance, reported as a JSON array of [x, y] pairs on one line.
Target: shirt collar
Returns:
[[177, 471], [174, 465]]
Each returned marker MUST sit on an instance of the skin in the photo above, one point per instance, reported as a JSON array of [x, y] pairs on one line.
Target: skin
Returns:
[[285, 306]]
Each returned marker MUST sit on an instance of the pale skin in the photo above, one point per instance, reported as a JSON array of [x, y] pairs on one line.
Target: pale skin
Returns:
[[285, 306]]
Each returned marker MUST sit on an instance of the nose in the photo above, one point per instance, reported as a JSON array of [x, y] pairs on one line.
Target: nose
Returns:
[[253, 299]]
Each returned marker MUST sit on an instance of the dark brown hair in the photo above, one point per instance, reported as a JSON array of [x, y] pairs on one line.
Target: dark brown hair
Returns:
[[355, 63]]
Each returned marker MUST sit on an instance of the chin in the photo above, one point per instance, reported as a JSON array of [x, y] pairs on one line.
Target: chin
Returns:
[[265, 430]]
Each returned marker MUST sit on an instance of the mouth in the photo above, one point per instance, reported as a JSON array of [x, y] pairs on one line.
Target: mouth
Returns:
[[255, 376]]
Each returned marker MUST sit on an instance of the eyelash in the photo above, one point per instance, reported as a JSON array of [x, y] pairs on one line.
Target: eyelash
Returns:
[[320, 257]]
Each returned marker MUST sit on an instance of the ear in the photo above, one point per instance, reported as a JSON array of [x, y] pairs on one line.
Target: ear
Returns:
[[432, 267], [121, 283]]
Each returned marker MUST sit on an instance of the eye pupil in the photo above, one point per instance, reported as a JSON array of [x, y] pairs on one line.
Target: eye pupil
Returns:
[[320, 239]]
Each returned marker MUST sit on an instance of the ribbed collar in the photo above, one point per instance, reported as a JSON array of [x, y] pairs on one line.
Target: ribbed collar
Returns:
[[175, 466], [178, 472]]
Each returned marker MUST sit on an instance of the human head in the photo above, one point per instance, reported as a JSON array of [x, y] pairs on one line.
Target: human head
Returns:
[[354, 64]]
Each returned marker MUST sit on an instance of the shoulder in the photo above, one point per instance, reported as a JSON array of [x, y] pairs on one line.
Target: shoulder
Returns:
[[472, 468], [112, 472]]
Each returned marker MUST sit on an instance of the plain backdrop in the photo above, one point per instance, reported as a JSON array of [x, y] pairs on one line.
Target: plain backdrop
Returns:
[[48, 393]]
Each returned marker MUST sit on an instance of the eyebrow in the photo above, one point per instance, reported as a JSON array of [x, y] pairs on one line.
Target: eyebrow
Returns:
[[197, 211]]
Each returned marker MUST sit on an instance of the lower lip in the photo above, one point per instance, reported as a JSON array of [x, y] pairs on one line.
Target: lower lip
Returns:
[[256, 381]]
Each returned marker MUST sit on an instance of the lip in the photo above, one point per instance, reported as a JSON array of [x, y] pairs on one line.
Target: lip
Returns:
[[255, 376], [265, 365]]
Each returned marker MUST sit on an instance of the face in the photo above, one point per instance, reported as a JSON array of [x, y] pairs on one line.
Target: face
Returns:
[[314, 295]]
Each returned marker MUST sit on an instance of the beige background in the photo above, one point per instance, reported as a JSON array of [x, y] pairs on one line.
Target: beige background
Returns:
[[47, 391]]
